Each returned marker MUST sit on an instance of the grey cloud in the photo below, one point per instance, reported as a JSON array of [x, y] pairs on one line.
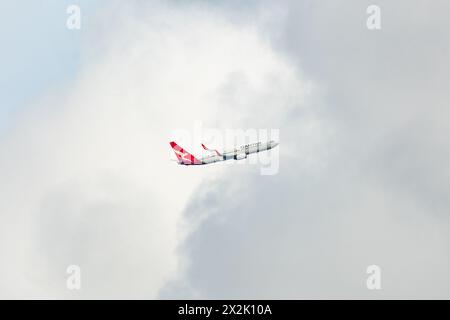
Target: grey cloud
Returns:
[[364, 159], [85, 171], [374, 188]]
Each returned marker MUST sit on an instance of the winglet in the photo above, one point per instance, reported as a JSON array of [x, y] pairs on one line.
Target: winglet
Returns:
[[217, 152]]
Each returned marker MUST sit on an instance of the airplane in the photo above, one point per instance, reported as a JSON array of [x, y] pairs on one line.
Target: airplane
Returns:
[[185, 158]]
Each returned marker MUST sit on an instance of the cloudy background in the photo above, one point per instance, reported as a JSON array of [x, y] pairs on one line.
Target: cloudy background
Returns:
[[85, 175]]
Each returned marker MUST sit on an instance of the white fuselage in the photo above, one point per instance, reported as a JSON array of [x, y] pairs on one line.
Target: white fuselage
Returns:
[[239, 152]]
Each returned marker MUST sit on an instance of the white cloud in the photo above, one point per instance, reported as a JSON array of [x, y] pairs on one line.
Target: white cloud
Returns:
[[365, 185], [85, 176]]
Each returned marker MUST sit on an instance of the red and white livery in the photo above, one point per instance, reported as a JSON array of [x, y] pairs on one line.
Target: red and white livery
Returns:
[[185, 158]]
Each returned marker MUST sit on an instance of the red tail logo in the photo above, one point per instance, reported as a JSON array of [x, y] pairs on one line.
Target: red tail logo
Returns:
[[183, 156]]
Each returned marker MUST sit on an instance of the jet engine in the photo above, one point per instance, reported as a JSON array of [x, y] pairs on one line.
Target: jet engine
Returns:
[[240, 156]]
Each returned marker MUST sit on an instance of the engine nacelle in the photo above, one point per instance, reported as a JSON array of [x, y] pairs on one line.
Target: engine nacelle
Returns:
[[240, 156]]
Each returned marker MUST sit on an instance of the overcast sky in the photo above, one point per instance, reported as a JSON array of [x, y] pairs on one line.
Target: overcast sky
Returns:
[[85, 171]]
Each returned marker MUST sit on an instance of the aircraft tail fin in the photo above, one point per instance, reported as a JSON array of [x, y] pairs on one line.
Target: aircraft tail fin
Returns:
[[183, 156]]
